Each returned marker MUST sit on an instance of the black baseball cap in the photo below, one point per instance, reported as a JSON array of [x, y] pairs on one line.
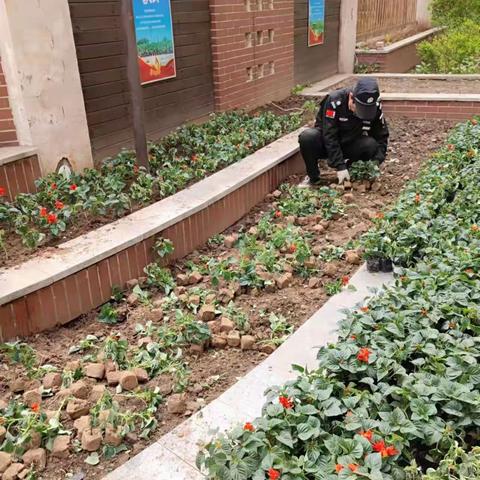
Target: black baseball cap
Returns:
[[366, 95]]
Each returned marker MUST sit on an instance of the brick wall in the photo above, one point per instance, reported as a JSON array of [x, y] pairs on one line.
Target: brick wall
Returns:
[[8, 135], [252, 51], [432, 109]]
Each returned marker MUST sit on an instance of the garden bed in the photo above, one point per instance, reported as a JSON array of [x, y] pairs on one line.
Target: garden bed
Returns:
[[397, 396], [420, 85], [273, 302], [65, 208], [400, 56]]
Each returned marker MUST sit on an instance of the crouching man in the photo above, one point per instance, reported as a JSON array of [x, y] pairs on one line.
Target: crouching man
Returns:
[[350, 126]]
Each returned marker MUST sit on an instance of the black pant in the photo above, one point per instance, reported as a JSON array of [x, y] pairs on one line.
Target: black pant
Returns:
[[313, 149]]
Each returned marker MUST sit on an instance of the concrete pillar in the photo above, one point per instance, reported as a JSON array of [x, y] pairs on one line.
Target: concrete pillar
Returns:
[[40, 62], [348, 36], [424, 17]]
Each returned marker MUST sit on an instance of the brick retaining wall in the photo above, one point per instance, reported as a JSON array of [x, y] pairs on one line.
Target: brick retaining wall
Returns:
[[432, 109], [70, 297]]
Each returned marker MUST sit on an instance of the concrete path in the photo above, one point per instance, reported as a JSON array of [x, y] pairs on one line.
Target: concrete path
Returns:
[[173, 456]]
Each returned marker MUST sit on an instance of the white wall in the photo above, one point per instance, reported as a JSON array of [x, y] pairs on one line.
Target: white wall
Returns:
[[348, 36], [423, 13], [38, 53]]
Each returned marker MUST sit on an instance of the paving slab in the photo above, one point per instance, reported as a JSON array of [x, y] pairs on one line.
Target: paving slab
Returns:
[[176, 451]]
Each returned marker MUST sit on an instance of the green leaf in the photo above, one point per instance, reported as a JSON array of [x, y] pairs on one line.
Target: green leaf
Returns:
[[285, 437], [373, 461]]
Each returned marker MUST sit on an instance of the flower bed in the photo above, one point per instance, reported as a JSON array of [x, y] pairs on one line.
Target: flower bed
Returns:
[[400, 388], [181, 335], [66, 207]]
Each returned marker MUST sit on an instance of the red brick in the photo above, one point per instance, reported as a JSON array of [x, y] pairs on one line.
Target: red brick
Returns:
[[101, 282], [73, 296], [37, 314], [83, 288], [7, 323]]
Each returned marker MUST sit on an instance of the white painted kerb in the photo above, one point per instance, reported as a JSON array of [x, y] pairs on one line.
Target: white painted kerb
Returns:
[[400, 44], [86, 250], [173, 456]]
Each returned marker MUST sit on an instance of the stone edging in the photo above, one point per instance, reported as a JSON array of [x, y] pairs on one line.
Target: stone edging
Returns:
[[173, 456], [400, 44]]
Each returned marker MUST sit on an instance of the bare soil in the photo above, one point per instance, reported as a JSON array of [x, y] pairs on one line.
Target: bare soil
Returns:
[[419, 85], [214, 370]]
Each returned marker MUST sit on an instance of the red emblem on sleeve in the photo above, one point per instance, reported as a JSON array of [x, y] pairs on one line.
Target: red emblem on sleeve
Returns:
[[330, 113]]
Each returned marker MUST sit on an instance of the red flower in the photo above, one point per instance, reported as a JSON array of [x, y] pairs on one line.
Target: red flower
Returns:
[[278, 214], [285, 402], [390, 451], [364, 309], [43, 212], [353, 467], [353, 337], [248, 426], [3, 192], [194, 158], [475, 228], [273, 474], [35, 407], [292, 248], [379, 446], [363, 355], [451, 147], [73, 187], [368, 435], [53, 186], [339, 468], [52, 218], [59, 205], [345, 281], [417, 198], [469, 271], [380, 215]]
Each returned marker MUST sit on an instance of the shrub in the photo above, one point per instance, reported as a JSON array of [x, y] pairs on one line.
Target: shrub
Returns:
[[448, 13], [456, 51]]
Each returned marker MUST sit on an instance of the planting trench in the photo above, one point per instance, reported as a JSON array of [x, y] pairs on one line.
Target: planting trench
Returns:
[[211, 371]]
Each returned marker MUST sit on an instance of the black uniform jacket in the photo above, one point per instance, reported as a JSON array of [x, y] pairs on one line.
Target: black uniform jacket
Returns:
[[340, 126]]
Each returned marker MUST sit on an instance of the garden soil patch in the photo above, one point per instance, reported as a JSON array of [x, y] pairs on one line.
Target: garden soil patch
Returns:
[[215, 369], [419, 85]]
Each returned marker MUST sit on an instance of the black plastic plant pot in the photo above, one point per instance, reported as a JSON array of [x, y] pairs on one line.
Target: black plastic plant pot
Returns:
[[386, 265], [373, 265]]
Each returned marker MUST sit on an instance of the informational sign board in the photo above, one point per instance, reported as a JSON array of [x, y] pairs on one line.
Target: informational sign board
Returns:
[[154, 34], [316, 22]]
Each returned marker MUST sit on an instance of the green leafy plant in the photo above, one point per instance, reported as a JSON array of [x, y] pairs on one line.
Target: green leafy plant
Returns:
[[108, 314], [159, 277], [364, 170], [163, 247]]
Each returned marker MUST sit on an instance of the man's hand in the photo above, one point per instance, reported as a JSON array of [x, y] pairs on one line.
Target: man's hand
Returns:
[[343, 176]]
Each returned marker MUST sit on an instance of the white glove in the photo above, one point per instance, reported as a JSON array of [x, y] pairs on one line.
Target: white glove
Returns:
[[343, 176]]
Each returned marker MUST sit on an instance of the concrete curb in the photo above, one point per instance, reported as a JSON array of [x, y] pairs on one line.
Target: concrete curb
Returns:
[[173, 456], [401, 43]]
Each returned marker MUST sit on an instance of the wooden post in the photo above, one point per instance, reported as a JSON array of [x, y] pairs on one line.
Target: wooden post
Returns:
[[134, 84]]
